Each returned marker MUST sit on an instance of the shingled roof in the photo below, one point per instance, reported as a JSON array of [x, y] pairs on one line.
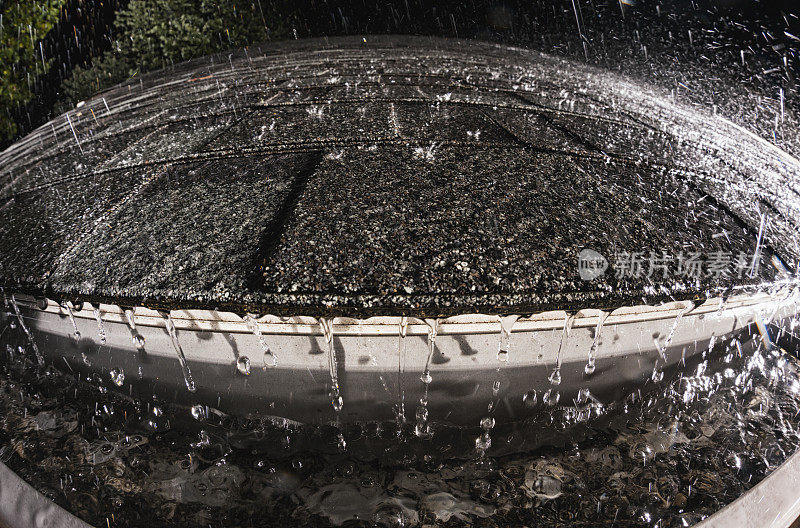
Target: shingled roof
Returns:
[[388, 175]]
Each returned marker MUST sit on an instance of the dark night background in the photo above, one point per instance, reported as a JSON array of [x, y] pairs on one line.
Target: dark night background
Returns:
[[669, 43]]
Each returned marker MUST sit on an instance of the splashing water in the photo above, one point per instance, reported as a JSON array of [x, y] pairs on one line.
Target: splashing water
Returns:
[[173, 334], [220, 462], [117, 376]]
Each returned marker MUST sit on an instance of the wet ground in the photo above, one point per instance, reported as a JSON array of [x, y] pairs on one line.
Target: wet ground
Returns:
[[666, 456], [396, 175]]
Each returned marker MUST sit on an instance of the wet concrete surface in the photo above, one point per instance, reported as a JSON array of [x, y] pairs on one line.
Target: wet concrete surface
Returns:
[[397, 175]]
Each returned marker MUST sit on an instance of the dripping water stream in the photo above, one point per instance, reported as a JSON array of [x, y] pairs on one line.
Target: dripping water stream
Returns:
[[590, 363], [400, 410], [484, 441], [173, 334], [76, 334], [101, 329], [423, 428], [251, 320], [552, 396], [336, 398]]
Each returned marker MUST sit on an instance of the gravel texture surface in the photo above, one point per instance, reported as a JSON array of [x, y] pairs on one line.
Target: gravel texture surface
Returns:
[[390, 175]]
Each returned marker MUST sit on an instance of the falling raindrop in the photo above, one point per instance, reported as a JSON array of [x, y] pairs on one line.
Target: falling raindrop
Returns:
[[117, 376], [198, 412], [551, 397], [759, 241], [243, 365], [530, 398], [483, 443], [39, 357]]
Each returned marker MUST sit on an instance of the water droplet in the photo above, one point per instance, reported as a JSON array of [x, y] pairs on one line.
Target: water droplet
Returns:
[[487, 423], [336, 401], [590, 367], [551, 397], [530, 398], [198, 412], [483, 442], [117, 376], [243, 365]]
